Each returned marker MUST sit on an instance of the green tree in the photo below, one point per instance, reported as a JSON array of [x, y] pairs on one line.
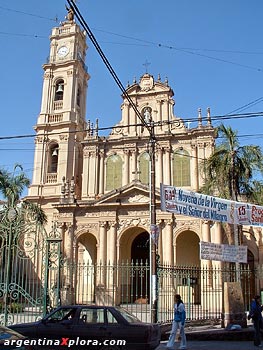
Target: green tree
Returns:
[[12, 186], [229, 171]]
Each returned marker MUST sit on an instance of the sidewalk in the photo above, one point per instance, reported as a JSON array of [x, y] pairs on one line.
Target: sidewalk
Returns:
[[213, 345], [216, 338]]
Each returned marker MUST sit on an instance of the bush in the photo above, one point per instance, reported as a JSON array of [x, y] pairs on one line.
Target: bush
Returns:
[[16, 307]]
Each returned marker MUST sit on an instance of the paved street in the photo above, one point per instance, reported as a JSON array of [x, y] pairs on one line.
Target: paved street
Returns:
[[214, 345]]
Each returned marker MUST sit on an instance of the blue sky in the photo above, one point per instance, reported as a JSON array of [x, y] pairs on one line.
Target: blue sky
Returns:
[[211, 52]]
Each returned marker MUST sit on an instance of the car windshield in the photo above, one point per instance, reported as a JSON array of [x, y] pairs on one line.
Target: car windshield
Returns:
[[62, 314], [128, 316]]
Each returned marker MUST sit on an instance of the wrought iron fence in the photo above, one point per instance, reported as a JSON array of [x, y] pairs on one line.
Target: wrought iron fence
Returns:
[[126, 284]]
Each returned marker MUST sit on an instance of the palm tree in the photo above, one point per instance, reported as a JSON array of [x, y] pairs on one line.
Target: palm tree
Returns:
[[230, 170], [229, 173], [12, 186]]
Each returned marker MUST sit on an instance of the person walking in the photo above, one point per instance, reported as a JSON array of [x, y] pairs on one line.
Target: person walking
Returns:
[[178, 323], [256, 315]]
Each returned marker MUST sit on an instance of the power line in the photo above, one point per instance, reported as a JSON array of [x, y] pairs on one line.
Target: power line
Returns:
[[106, 62], [188, 51], [24, 35], [165, 122], [250, 104], [148, 42], [28, 14], [179, 48]]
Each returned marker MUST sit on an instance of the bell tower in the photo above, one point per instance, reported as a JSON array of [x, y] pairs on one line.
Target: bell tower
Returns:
[[61, 123]]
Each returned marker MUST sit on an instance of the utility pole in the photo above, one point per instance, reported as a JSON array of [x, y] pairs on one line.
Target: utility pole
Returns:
[[153, 228]]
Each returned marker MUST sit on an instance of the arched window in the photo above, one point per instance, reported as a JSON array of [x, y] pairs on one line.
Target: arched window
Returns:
[[113, 172], [144, 168], [181, 168], [53, 159], [59, 90]]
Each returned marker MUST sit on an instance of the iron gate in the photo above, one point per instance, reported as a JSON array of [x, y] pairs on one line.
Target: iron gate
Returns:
[[22, 250], [30, 268], [35, 278]]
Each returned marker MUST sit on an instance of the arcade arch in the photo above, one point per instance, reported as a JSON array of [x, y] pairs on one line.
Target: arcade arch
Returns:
[[86, 256], [134, 244], [187, 248], [135, 250]]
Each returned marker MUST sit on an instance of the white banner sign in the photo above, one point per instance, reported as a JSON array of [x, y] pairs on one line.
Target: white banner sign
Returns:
[[183, 202], [223, 252]]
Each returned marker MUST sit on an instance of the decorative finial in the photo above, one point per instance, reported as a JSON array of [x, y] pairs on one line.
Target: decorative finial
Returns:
[[72, 187], [128, 84], [166, 81], [199, 117], [159, 77], [63, 186], [134, 80], [88, 128], [208, 116], [97, 128]]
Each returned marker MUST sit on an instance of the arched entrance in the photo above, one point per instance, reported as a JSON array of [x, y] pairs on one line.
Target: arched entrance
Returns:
[[140, 249], [140, 257], [188, 258], [135, 254], [248, 280], [86, 268]]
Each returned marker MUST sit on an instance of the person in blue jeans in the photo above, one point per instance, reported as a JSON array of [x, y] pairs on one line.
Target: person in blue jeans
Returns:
[[178, 323], [256, 314]]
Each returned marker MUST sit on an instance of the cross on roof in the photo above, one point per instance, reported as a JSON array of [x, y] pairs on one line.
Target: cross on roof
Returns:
[[146, 64]]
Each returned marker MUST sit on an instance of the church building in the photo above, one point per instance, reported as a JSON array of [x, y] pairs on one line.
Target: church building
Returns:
[[96, 188]]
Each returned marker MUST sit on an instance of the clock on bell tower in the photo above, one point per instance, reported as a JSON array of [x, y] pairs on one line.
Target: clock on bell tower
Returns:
[[61, 123]]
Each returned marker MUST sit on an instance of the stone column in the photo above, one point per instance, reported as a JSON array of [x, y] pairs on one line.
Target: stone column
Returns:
[[111, 267], [101, 264], [126, 174], [194, 161], [206, 238], [68, 241], [67, 288], [134, 164], [159, 114], [216, 233], [111, 243], [133, 127], [85, 176], [200, 155], [167, 169], [102, 248], [167, 242], [92, 173], [167, 107], [166, 289], [126, 117], [159, 172], [101, 173]]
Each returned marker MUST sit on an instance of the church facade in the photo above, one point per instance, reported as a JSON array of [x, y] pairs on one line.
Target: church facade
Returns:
[[96, 188]]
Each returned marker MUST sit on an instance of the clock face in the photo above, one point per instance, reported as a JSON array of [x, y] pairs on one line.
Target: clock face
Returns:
[[63, 51]]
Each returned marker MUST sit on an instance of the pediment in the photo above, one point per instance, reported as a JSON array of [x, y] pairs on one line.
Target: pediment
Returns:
[[149, 86], [134, 193]]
